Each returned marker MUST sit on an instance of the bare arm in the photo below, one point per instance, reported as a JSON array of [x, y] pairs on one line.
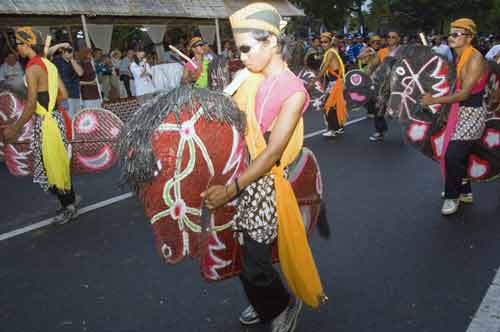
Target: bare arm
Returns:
[[472, 72], [324, 68], [62, 93], [290, 114], [366, 52], [186, 77], [78, 69]]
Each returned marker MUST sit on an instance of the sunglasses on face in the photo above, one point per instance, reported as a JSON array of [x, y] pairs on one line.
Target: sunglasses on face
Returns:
[[245, 49], [458, 34]]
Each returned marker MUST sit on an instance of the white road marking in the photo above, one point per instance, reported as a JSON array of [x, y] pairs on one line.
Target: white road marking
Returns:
[[49, 221], [318, 132], [487, 317], [116, 199]]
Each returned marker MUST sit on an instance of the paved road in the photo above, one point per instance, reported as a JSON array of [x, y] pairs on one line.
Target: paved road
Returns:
[[393, 263]]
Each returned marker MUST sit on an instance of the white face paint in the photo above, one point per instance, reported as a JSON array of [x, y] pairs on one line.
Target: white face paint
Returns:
[[254, 54]]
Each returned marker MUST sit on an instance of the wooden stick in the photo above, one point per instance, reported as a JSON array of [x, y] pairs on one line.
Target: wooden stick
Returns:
[[423, 39], [182, 55], [236, 83], [46, 46]]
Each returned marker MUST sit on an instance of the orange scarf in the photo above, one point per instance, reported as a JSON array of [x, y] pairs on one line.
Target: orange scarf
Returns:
[[296, 260], [336, 97]]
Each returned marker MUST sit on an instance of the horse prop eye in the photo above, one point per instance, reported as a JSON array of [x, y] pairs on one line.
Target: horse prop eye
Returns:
[[400, 71]]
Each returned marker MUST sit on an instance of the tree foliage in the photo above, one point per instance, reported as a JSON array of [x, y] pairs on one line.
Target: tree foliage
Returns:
[[406, 15]]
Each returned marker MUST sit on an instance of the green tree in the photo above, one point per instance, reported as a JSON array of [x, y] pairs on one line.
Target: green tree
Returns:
[[333, 13], [431, 15]]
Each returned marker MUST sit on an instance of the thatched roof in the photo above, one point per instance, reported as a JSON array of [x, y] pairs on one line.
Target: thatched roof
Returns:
[[136, 8]]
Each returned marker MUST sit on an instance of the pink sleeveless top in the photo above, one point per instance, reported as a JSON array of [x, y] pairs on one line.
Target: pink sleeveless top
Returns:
[[271, 95]]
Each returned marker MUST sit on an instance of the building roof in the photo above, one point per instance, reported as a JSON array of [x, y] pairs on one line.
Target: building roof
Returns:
[[137, 8]]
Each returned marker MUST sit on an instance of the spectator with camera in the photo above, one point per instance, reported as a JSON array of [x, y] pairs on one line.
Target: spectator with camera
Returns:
[[70, 72]]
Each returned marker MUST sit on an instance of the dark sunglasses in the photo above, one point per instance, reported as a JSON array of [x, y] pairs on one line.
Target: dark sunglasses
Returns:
[[458, 34], [68, 50], [245, 48]]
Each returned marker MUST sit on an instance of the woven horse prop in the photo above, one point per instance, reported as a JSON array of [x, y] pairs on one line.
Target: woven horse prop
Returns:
[[93, 139], [413, 71], [178, 145]]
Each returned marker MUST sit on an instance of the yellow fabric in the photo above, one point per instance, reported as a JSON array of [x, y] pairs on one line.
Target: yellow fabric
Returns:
[[55, 156], [382, 54], [296, 260], [240, 19], [336, 97], [326, 58], [465, 23]]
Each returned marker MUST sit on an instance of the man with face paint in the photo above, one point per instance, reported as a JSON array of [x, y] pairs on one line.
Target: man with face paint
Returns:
[[273, 99], [467, 119], [51, 162]]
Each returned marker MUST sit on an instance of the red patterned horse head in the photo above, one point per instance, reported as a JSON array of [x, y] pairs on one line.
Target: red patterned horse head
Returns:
[[177, 146], [95, 132], [17, 157]]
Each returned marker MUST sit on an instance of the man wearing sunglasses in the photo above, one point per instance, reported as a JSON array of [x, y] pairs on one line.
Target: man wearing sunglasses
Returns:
[[70, 72], [196, 75], [332, 73], [379, 121], [467, 118]]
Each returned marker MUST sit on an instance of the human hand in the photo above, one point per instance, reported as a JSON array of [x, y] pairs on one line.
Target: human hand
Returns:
[[9, 134], [311, 84], [427, 100], [216, 196]]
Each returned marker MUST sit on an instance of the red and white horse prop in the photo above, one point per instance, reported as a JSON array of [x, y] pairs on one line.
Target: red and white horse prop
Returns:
[[178, 145], [93, 139]]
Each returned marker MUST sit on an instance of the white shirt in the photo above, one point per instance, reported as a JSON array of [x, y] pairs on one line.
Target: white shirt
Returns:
[[492, 53], [144, 84], [11, 73], [445, 51]]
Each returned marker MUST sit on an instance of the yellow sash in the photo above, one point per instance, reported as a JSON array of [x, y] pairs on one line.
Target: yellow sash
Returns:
[[296, 260], [55, 157], [336, 97]]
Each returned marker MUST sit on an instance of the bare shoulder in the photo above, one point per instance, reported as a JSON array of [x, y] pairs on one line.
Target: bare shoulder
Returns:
[[476, 64], [295, 101]]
